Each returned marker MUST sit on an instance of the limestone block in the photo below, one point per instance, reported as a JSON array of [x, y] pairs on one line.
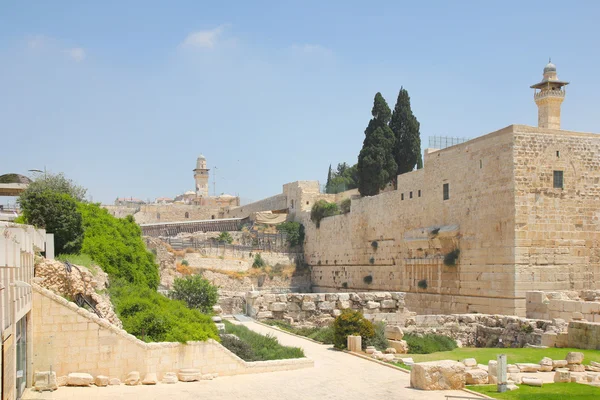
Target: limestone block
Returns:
[[516, 378], [387, 357], [400, 346], [216, 319], [45, 380], [207, 377], [269, 298], [595, 364], [343, 304], [336, 313], [574, 357], [528, 367], [476, 376], [371, 305], [343, 296], [189, 375], [354, 343], [532, 381], [278, 306], [150, 379], [326, 305], [388, 304], [114, 382], [576, 367], [264, 315], [438, 375], [308, 306], [79, 379], [546, 365], [512, 387], [102, 380], [133, 378], [406, 360], [217, 310], [370, 350], [562, 375], [170, 377], [331, 297], [62, 380], [592, 368], [577, 316], [493, 372], [591, 377], [559, 363], [390, 350], [293, 307], [394, 332], [469, 362]]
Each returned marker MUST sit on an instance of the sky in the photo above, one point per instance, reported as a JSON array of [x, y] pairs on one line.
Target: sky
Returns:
[[122, 96]]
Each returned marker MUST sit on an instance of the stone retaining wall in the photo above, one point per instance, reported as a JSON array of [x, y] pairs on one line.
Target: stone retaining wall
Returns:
[[322, 308], [584, 335], [567, 305], [70, 339]]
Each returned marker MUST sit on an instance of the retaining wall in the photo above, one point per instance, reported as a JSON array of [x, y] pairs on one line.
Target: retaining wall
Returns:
[[565, 305]]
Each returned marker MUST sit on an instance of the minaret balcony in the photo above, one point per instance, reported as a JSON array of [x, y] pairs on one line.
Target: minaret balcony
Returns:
[[556, 93]]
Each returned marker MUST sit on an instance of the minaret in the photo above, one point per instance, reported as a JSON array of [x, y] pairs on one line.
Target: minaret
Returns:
[[201, 177], [549, 98]]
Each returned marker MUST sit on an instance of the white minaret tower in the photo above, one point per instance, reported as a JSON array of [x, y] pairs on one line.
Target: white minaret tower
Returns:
[[201, 177], [549, 98]]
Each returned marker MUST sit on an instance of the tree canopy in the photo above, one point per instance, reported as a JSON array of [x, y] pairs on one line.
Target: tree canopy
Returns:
[[404, 125], [344, 178]]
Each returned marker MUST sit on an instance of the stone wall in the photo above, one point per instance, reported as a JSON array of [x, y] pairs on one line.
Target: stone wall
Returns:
[[277, 202], [322, 308], [153, 213], [567, 305], [584, 335], [70, 339], [227, 260]]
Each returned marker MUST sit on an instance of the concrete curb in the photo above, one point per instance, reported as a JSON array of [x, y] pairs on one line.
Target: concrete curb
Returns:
[[377, 361], [483, 396]]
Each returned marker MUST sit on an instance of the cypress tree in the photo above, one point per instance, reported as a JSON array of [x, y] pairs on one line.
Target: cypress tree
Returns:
[[376, 164], [407, 152], [328, 184]]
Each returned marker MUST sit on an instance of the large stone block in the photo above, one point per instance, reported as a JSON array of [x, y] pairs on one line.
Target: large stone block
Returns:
[[493, 372], [189, 375], [574, 357], [394, 332], [371, 305], [354, 343], [528, 367], [388, 304], [79, 379], [400, 346], [562, 375], [102, 380], [133, 378], [438, 375], [150, 379], [476, 376], [45, 380], [326, 305], [546, 365], [308, 306], [278, 306]]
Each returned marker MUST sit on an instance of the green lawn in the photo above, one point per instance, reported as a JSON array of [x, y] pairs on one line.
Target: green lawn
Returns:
[[550, 391], [483, 355]]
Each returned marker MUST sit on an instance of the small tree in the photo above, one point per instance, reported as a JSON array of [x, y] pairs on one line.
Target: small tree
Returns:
[[351, 322], [322, 209], [196, 292], [57, 183], [294, 232], [225, 237]]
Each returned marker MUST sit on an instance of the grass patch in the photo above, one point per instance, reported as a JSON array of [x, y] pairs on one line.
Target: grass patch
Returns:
[[262, 348], [550, 391], [483, 355], [323, 334], [429, 343], [80, 259]]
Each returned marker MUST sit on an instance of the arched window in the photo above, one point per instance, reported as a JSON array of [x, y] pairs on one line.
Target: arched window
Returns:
[[157, 215], [187, 214]]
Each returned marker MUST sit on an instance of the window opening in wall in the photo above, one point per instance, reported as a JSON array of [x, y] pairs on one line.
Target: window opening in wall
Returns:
[[157, 215], [557, 153], [410, 195], [419, 193], [480, 164], [292, 204], [558, 179], [402, 196], [187, 214], [446, 191]]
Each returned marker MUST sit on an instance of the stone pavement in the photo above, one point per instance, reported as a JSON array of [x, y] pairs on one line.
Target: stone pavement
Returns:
[[336, 375]]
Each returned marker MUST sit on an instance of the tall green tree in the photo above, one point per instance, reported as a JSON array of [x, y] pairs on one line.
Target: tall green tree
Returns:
[[328, 184], [376, 165], [407, 151]]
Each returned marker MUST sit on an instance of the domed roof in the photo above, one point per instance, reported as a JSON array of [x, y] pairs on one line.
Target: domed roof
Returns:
[[14, 178], [550, 67], [201, 157]]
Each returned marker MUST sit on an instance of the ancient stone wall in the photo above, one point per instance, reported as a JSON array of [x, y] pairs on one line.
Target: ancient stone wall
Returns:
[[70, 339], [322, 308], [153, 213], [567, 305], [277, 202], [557, 243], [397, 240], [584, 335]]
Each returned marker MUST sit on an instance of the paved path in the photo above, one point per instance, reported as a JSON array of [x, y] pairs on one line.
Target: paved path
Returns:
[[336, 375]]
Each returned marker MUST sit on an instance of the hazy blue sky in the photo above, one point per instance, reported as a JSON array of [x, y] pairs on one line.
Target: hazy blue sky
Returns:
[[123, 96]]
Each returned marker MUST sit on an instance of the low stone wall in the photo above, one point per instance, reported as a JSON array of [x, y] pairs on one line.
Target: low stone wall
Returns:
[[486, 330], [584, 335], [226, 260], [322, 308], [70, 339], [567, 305]]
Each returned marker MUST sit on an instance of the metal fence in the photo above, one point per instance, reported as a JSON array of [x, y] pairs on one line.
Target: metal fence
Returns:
[[441, 142]]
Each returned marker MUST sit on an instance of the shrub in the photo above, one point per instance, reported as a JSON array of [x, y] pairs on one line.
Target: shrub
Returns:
[[527, 328], [351, 322], [379, 340], [238, 347], [322, 209], [258, 261], [196, 292], [153, 317], [225, 237], [183, 269], [294, 232], [429, 343], [422, 284], [345, 206], [368, 279], [263, 347], [450, 258], [372, 260], [435, 231], [345, 285], [185, 263], [319, 334], [374, 244]]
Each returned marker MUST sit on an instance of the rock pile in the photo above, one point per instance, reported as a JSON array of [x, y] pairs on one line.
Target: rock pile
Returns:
[[48, 381], [438, 375]]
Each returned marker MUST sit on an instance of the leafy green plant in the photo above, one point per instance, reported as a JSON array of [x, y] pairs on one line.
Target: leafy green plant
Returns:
[[225, 237], [320, 334], [372, 260], [378, 340], [374, 244], [263, 347], [451, 257], [238, 347], [185, 262], [422, 284], [294, 232], [258, 261], [196, 292], [368, 279], [527, 328], [351, 322], [345, 206], [322, 209], [429, 343], [345, 285]]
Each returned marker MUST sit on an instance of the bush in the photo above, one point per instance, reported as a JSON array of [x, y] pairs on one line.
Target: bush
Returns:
[[372, 260], [116, 245], [196, 292], [153, 317], [258, 261], [294, 232], [422, 284], [450, 258], [379, 340], [225, 237], [345, 206], [374, 244], [322, 209], [368, 279], [263, 347], [429, 343], [238, 347], [319, 334], [351, 322], [185, 263]]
